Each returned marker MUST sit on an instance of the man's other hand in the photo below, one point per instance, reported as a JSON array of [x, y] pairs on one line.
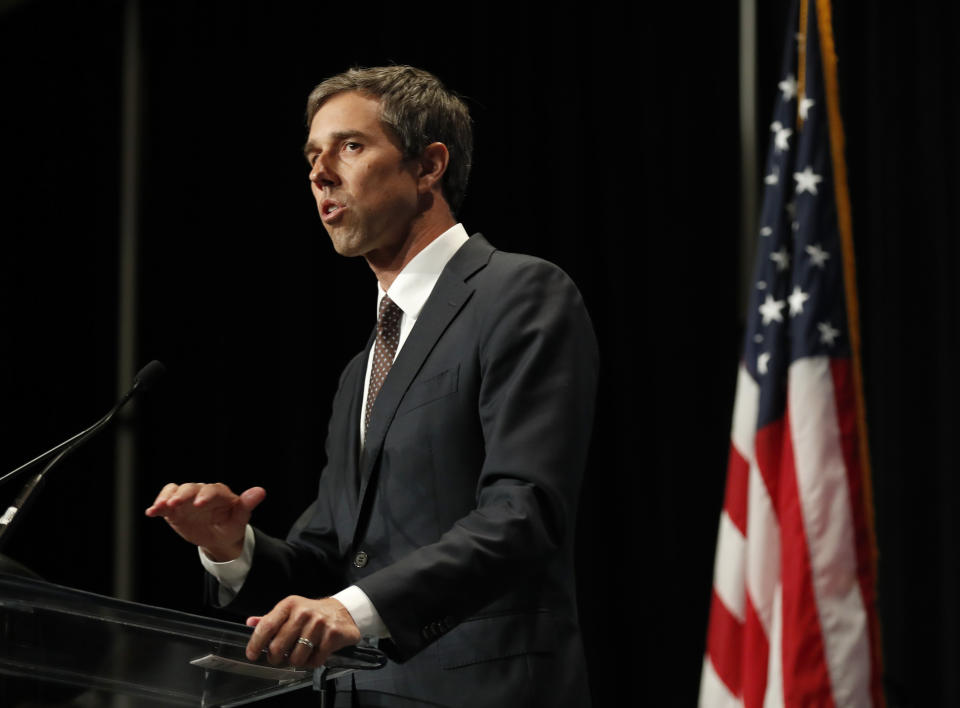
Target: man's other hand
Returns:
[[210, 516], [302, 632]]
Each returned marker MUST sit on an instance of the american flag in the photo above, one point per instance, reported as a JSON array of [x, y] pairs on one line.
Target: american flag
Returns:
[[793, 612]]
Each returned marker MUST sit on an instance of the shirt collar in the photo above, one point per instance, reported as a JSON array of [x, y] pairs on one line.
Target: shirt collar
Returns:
[[413, 284]]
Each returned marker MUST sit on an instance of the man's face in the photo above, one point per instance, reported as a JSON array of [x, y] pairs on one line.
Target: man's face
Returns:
[[366, 192]]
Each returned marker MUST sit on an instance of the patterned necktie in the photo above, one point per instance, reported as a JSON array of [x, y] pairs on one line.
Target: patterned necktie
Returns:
[[388, 336]]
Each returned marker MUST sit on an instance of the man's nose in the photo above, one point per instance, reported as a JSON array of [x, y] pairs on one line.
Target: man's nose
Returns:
[[320, 172]]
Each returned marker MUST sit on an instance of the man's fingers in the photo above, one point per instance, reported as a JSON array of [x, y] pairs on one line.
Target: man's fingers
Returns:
[[173, 496], [185, 492], [312, 623], [251, 498], [284, 642], [160, 502], [265, 631], [305, 644], [214, 493]]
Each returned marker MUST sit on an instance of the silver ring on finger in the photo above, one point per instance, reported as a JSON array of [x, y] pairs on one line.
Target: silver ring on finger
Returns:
[[306, 642]]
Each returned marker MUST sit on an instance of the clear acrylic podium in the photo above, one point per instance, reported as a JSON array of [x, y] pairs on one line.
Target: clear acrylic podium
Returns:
[[75, 648]]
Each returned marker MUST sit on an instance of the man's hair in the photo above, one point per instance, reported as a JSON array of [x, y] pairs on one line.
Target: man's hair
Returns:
[[418, 109]]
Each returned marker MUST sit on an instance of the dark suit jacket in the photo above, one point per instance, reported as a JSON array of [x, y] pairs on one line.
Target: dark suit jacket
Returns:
[[457, 517]]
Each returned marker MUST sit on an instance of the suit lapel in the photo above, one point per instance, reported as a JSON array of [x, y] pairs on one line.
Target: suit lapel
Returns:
[[449, 295], [348, 428], [353, 425]]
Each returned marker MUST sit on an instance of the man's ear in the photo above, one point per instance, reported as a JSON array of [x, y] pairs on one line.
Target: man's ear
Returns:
[[433, 164]]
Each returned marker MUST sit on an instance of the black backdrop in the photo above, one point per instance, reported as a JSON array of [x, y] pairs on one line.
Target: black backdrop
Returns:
[[606, 141]]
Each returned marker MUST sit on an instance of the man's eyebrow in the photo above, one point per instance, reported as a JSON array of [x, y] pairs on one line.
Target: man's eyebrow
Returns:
[[337, 136]]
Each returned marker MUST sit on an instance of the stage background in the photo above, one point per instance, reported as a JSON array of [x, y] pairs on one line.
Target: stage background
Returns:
[[607, 142]]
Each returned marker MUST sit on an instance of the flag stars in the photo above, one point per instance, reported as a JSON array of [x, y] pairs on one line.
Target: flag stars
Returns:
[[796, 300], [781, 138], [828, 333], [807, 180], [817, 255], [771, 310], [763, 363], [766, 231], [803, 108], [773, 178], [781, 258], [788, 87]]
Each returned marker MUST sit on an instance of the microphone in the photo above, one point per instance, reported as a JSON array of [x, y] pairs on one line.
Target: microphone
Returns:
[[147, 377], [143, 381]]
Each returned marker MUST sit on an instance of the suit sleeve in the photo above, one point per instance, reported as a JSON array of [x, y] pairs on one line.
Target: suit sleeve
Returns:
[[538, 361]]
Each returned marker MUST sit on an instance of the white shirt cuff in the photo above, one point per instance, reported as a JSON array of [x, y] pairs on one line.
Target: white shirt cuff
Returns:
[[231, 574], [364, 614]]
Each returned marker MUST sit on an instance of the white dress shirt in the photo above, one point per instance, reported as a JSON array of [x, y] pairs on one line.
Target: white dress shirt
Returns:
[[409, 290]]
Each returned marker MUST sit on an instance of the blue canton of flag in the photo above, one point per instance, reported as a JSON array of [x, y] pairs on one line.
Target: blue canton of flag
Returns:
[[797, 304]]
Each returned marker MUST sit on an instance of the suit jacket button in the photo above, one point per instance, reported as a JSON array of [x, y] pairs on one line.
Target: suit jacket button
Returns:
[[360, 559]]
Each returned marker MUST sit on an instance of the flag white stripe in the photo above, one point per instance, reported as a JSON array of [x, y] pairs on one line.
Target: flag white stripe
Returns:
[[828, 524], [773, 697], [745, 407], [728, 578]]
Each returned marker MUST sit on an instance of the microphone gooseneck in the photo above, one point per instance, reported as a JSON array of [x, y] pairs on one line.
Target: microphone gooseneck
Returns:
[[143, 381]]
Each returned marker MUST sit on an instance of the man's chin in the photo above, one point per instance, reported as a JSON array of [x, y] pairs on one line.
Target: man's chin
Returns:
[[347, 249], [342, 243]]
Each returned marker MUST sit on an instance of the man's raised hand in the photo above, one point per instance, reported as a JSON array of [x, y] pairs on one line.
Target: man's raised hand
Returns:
[[210, 516]]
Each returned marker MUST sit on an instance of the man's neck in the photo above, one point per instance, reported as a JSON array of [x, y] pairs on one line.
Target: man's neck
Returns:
[[386, 265]]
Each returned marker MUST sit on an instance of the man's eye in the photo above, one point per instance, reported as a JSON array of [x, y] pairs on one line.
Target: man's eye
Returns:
[[351, 146]]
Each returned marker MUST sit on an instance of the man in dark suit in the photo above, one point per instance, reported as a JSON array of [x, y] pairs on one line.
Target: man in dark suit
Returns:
[[443, 529]]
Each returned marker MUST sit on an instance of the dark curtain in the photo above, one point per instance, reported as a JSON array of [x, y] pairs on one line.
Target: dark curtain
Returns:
[[900, 97], [607, 142]]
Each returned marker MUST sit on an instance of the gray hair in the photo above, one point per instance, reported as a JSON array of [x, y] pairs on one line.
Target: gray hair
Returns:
[[418, 109]]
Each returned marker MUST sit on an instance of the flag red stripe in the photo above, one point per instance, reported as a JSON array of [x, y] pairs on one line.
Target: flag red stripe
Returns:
[[724, 642], [769, 444], [738, 470], [756, 649]]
